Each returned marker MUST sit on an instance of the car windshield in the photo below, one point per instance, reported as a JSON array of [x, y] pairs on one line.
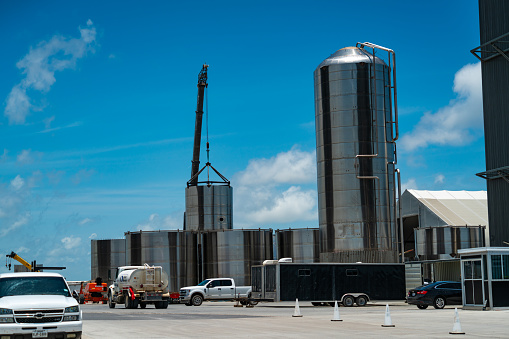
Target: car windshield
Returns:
[[33, 286], [204, 282]]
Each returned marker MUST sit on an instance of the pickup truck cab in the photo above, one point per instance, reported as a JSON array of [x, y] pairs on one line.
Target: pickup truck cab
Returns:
[[38, 305], [214, 289]]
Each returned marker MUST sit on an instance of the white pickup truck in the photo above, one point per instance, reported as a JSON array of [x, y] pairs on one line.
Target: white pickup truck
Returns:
[[38, 305], [215, 289]]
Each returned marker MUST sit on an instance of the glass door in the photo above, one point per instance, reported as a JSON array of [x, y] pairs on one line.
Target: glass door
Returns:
[[473, 291]]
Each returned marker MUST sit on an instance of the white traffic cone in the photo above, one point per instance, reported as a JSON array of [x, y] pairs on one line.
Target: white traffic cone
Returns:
[[336, 312], [388, 321], [297, 309], [456, 328]]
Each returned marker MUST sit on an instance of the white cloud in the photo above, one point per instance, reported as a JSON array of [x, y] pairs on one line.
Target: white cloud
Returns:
[[439, 179], [48, 121], [17, 183], [27, 156], [82, 175], [39, 67], [22, 249], [289, 206], [92, 236], [458, 123], [21, 221], [71, 242], [292, 167], [411, 184], [3, 157], [276, 190], [48, 130], [155, 222], [85, 221]]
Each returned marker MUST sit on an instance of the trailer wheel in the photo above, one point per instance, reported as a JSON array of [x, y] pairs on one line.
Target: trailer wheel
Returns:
[[143, 305], [361, 300], [165, 304], [111, 304], [348, 301], [196, 300]]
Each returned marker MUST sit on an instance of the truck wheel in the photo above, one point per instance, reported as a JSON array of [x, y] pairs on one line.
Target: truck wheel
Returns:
[[111, 304], [165, 304], [196, 300], [82, 299], [127, 302], [361, 300], [143, 305], [134, 303], [348, 301], [253, 302]]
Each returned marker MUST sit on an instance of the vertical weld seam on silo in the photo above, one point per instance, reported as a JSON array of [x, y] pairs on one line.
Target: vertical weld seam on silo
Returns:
[[327, 148]]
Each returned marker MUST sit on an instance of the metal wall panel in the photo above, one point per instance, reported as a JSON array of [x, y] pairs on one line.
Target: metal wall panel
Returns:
[[353, 117], [301, 244], [231, 253], [433, 243], [209, 208], [494, 22], [106, 256], [175, 251]]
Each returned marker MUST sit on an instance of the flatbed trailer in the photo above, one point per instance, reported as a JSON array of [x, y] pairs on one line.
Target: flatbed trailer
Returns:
[[328, 282]]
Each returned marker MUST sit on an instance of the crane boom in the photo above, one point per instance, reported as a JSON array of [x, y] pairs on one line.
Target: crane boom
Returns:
[[20, 259], [33, 267], [202, 83]]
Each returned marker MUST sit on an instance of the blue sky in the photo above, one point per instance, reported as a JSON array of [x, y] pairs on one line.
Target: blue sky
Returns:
[[99, 98]]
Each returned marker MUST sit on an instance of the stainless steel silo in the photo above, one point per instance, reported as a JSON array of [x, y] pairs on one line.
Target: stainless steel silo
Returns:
[[231, 253], [300, 244], [106, 256], [356, 156], [175, 251], [209, 207]]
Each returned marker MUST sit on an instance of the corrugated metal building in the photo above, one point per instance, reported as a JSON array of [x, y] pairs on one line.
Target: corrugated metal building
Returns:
[[436, 224]]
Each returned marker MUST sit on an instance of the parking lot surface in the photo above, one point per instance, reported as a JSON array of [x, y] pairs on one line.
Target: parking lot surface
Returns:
[[271, 320]]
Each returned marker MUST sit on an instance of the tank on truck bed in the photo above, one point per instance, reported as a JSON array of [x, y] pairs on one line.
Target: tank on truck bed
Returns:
[[139, 285], [328, 282]]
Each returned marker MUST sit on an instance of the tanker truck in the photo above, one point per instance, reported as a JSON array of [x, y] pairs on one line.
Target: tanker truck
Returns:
[[139, 285]]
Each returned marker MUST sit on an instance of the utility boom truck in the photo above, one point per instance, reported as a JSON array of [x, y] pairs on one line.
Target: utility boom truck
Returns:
[[139, 285], [215, 289]]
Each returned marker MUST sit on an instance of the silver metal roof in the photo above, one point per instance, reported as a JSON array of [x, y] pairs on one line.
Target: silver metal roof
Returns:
[[455, 208]]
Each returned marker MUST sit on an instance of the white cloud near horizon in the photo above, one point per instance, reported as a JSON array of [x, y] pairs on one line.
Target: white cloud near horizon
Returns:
[[39, 67], [439, 179], [458, 123], [155, 222]]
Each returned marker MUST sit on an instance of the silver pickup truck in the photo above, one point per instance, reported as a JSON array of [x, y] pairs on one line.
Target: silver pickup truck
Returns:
[[215, 289]]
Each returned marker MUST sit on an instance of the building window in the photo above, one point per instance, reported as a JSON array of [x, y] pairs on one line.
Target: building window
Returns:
[[496, 267], [505, 266]]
